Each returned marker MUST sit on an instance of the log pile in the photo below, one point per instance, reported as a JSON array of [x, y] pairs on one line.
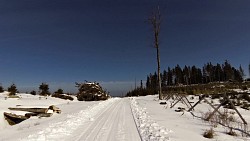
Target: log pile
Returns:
[[91, 92], [13, 119]]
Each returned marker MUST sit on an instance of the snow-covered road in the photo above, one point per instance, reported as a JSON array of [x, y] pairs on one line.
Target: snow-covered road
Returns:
[[109, 120], [113, 123]]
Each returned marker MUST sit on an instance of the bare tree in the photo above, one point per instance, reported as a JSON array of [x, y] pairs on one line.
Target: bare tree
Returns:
[[155, 21]]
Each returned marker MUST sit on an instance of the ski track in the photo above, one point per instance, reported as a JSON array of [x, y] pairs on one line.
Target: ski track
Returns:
[[98, 130], [112, 125], [149, 130]]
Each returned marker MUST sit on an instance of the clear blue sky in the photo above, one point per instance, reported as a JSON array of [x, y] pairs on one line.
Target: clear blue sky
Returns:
[[65, 41]]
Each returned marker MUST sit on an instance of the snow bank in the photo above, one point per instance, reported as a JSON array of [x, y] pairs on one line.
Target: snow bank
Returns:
[[148, 129]]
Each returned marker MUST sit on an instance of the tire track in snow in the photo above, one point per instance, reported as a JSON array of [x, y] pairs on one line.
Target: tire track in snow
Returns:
[[102, 128], [121, 130], [96, 128], [115, 124]]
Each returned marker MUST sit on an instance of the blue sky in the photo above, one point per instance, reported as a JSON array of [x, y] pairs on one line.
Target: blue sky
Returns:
[[65, 41]]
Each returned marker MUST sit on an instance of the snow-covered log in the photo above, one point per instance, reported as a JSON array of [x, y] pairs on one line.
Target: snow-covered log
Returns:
[[13, 118], [32, 110]]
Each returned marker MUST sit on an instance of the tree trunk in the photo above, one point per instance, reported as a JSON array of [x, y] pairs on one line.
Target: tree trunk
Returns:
[[155, 20], [159, 73]]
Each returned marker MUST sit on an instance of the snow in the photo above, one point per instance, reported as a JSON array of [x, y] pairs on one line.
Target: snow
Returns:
[[116, 119], [149, 129]]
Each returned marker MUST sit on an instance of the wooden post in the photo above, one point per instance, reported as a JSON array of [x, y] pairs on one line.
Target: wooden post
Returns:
[[215, 110], [176, 102], [192, 107], [188, 101], [212, 106], [244, 121]]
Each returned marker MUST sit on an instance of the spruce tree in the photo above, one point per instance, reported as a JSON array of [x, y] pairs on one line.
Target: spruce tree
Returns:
[[12, 89], [59, 91], [164, 79], [241, 71], [141, 87], [169, 77], [1, 89], [44, 88], [249, 69]]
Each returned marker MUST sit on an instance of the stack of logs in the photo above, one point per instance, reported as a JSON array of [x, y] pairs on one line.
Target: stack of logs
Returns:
[[39, 112]]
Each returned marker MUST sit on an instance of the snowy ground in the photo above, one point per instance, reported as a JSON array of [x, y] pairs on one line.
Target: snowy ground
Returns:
[[117, 119]]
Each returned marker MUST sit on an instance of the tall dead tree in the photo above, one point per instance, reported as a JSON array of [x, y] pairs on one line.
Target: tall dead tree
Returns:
[[155, 21]]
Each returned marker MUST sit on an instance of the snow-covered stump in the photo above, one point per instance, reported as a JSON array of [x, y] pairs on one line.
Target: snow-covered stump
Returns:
[[148, 129]]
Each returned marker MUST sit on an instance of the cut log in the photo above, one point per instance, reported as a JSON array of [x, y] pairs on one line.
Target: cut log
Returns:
[[163, 103], [45, 115], [13, 118], [31, 114], [55, 109], [32, 110]]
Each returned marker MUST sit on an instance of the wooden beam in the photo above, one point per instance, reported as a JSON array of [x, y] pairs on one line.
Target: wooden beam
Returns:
[[212, 106], [244, 121], [215, 110], [192, 107], [176, 102]]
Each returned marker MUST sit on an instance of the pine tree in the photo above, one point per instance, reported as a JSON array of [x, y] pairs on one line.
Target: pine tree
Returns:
[[241, 71], [209, 71], [148, 84], [164, 79], [12, 89], [186, 75], [44, 88], [204, 75], [33, 92], [218, 73], [59, 91], [1, 89], [199, 76], [228, 72], [249, 69], [178, 75], [141, 85], [194, 76], [169, 77]]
